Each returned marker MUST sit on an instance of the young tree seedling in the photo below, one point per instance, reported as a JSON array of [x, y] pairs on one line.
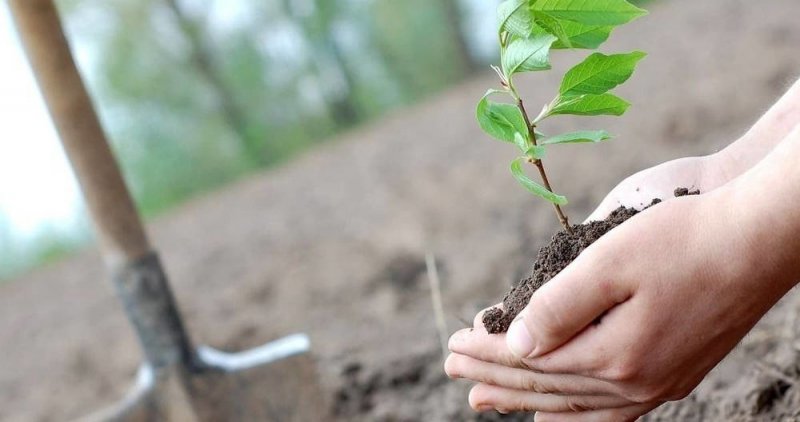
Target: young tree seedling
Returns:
[[528, 31]]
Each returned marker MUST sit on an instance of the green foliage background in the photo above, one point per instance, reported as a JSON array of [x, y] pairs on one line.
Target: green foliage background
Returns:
[[191, 107], [196, 94]]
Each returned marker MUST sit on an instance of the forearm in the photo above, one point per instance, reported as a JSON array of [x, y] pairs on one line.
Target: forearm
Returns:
[[764, 201], [762, 138]]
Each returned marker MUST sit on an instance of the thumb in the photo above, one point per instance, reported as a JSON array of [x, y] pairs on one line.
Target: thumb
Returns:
[[563, 307]]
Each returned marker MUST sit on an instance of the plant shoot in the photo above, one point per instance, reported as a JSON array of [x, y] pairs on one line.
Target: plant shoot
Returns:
[[528, 31]]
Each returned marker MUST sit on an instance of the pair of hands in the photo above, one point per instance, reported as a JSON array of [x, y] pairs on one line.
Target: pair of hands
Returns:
[[676, 288]]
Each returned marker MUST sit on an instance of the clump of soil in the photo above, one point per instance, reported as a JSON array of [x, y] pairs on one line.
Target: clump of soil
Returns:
[[554, 257]]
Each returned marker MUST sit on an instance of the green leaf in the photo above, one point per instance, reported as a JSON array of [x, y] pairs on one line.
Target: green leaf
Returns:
[[590, 105], [599, 73], [533, 187], [514, 17], [523, 55], [535, 152], [553, 26], [577, 137], [590, 12], [521, 142], [501, 121], [580, 35]]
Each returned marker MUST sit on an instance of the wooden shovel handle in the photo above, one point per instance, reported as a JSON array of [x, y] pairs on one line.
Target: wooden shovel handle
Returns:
[[119, 228]]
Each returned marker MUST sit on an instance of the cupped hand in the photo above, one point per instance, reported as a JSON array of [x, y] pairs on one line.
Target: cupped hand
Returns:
[[704, 173], [638, 319]]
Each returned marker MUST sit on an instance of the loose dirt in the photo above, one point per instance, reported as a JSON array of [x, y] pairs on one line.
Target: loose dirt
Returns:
[[552, 258]]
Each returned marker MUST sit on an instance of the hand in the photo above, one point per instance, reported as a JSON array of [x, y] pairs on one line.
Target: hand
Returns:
[[638, 319], [710, 172], [637, 191]]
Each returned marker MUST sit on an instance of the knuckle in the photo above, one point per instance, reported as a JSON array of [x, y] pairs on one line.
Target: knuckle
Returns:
[[510, 361], [624, 372], [576, 405], [608, 291], [530, 383], [646, 393], [643, 394], [529, 365], [520, 404]]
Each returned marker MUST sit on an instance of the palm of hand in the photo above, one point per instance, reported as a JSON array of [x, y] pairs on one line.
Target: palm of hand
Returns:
[[640, 189]]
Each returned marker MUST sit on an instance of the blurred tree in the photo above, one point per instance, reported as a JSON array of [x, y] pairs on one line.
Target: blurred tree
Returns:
[[454, 16], [197, 93], [202, 58], [192, 106], [422, 53], [316, 20], [8, 253], [161, 112]]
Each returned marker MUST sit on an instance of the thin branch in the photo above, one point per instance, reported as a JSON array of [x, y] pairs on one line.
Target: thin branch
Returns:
[[540, 166], [436, 299]]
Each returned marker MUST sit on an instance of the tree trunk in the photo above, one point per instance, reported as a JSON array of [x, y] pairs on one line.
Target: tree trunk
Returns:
[[453, 17], [202, 58], [343, 109], [319, 35]]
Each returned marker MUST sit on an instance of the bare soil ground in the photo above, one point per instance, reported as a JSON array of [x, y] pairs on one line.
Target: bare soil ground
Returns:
[[337, 239]]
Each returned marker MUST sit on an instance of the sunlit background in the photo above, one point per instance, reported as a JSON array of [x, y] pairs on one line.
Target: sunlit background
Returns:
[[196, 94]]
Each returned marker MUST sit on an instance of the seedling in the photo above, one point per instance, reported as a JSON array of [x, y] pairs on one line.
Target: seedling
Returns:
[[528, 31]]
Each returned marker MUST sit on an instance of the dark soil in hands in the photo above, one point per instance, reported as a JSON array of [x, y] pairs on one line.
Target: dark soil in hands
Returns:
[[554, 257]]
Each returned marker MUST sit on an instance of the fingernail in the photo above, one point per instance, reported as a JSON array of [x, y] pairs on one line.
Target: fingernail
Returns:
[[519, 340]]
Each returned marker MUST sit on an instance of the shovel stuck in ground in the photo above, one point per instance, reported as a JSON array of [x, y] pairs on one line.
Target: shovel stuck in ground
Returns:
[[176, 382]]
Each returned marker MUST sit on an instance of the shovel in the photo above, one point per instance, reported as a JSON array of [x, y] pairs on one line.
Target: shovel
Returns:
[[176, 381]]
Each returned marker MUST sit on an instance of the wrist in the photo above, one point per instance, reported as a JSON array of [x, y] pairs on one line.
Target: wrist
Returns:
[[726, 165], [763, 229]]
